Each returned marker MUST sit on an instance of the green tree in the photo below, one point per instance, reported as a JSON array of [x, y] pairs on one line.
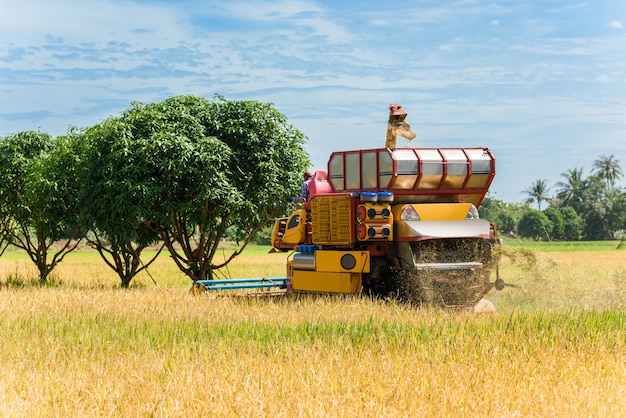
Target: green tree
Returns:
[[558, 224], [608, 168], [538, 192], [535, 225], [192, 168], [264, 236], [571, 191], [598, 203], [617, 209], [595, 210], [6, 228], [573, 223], [39, 194], [262, 160], [596, 227], [113, 197], [504, 215]]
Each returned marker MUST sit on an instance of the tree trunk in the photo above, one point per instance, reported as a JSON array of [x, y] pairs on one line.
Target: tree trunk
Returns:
[[42, 258]]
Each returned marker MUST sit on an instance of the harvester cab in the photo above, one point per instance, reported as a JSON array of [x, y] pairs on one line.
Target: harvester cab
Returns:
[[295, 229]]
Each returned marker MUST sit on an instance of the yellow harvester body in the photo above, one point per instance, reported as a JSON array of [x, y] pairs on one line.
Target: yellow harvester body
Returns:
[[398, 221]]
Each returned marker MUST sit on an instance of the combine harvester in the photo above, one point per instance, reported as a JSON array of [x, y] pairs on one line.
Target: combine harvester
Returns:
[[391, 221]]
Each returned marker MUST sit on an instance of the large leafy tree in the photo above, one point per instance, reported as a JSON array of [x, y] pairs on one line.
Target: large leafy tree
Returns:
[[38, 192], [263, 158], [189, 168], [113, 197]]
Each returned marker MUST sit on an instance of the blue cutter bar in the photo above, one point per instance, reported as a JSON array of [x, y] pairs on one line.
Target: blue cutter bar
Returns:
[[256, 283]]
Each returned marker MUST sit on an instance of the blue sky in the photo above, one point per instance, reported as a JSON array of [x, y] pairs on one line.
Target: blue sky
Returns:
[[540, 83]]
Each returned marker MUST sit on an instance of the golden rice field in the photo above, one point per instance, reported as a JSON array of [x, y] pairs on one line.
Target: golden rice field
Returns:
[[83, 347]]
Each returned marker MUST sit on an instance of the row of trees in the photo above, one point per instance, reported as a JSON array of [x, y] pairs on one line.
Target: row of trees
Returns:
[[583, 207], [178, 173]]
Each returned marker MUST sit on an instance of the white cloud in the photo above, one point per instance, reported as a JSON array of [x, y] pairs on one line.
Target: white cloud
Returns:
[[78, 21], [265, 10], [616, 24]]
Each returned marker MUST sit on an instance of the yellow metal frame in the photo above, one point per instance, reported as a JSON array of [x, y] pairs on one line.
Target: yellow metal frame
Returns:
[[330, 261], [329, 275], [326, 282], [436, 211]]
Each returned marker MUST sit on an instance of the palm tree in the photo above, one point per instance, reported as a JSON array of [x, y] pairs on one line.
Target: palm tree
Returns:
[[538, 191], [607, 167], [572, 190]]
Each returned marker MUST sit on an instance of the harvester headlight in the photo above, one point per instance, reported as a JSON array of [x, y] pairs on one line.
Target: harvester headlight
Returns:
[[371, 213], [409, 214], [386, 212], [472, 213]]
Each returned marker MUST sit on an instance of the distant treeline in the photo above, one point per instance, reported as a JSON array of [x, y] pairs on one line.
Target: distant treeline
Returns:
[[583, 207]]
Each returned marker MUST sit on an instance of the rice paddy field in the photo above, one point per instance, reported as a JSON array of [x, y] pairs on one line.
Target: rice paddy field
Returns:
[[81, 346]]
